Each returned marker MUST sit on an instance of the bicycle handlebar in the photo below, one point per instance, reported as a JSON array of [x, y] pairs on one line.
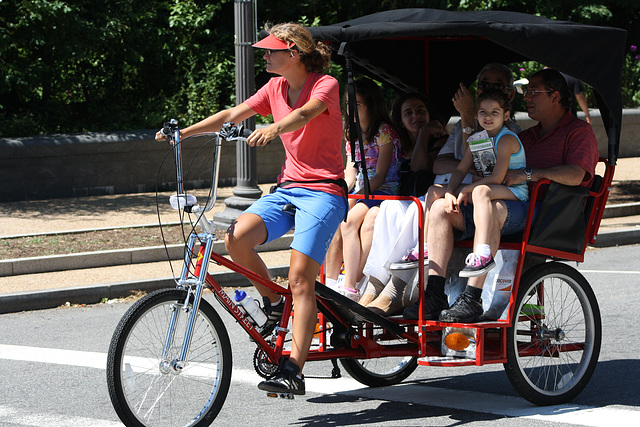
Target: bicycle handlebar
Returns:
[[231, 132], [228, 132]]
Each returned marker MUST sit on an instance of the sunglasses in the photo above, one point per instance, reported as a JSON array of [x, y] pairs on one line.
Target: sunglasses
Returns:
[[270, 52], [493, 86]]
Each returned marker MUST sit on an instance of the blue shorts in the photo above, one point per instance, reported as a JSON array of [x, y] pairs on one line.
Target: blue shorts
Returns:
[[514, 223], [318, 215]]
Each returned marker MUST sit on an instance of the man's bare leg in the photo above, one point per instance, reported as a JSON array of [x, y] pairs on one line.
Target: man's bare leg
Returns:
[[440, 241]]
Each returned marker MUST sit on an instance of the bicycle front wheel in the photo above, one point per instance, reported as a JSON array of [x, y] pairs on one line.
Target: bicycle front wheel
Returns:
[[145, 389], [553, 346]]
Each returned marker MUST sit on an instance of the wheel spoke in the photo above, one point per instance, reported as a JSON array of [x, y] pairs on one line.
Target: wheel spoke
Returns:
[[553, 349]]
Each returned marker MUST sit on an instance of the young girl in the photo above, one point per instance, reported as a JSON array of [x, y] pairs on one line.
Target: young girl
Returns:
[[492, 111], [381, 155]]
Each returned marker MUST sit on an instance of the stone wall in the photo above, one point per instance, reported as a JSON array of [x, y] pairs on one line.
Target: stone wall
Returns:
[[89, 164]]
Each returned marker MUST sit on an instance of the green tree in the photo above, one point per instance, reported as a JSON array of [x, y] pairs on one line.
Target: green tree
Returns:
[[99, 65], [68, 67], [74, 66]]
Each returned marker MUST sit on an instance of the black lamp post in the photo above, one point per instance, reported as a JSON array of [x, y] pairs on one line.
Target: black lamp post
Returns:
[[247, 190]]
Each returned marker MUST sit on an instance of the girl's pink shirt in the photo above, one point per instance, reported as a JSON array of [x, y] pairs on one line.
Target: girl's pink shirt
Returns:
[[313, 151]]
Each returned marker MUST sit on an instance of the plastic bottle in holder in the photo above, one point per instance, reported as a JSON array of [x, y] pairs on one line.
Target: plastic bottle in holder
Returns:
[[251, 307]]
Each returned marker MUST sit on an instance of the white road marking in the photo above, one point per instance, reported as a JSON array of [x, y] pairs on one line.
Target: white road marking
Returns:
[[85, 359], [19, 417], [411, 393], [608, 271]]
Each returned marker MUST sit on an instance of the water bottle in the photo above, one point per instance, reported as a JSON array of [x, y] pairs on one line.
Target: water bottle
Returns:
[[251, 307]]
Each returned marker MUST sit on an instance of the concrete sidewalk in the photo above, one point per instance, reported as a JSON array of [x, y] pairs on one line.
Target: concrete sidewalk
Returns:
[[45, 282], [88, 278]]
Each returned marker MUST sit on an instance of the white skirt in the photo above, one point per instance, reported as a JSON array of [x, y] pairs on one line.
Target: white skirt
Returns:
[[395, 234]]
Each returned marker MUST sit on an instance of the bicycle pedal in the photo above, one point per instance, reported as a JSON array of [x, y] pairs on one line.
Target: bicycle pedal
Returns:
[[280, 395]]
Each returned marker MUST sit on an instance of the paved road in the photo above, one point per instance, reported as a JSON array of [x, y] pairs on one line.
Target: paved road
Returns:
[[52, 374]]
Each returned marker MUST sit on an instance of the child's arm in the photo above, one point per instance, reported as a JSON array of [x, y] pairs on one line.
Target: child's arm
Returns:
[[350, 173], [456, 179], [460, 171], [385, 154], [508, 145], [386, 145]]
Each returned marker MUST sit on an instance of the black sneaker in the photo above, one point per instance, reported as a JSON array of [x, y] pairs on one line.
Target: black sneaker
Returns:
[[464, 310], [274, 314], [434, 303], [286, 379]]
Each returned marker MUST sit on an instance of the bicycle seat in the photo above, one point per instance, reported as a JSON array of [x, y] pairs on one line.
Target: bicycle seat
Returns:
[[289, 208]]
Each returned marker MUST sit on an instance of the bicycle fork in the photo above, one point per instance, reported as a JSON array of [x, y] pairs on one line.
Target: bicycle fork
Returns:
[[185, 282]]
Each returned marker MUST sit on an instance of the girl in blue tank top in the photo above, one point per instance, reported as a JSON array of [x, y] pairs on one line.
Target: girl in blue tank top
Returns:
[[492, 111]]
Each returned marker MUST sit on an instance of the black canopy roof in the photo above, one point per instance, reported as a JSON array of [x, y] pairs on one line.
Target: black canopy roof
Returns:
[[433, 50]]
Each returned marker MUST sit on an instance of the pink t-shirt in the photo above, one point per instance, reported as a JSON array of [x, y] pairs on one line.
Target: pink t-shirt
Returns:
[[313, 151]]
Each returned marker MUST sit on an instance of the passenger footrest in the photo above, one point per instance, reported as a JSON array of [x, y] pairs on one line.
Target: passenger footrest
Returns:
[[479, 325], [445, 361], [354, 312]]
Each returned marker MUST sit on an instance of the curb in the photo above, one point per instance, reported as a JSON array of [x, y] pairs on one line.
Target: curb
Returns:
[[46, 264], [627, 236], [88, 230], [622, 209], [52, 298]]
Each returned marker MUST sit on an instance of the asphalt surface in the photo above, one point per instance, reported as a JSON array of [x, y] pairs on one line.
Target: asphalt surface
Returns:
[[46, 282]]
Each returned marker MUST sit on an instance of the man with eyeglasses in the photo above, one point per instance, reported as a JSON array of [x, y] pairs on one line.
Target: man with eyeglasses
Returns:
[[560, 148]]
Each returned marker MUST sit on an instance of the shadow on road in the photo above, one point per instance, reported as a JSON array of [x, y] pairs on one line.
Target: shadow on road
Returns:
[[614, 382]]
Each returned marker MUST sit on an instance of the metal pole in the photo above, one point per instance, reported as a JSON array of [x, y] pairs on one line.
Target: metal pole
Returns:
[[247, 190]]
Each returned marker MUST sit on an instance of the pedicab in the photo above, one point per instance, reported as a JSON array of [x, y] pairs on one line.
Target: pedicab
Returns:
[[547, 360], [169, 361]]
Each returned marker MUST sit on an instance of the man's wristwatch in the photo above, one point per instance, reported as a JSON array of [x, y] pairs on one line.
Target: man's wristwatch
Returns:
[[527, 171], [468, 130]]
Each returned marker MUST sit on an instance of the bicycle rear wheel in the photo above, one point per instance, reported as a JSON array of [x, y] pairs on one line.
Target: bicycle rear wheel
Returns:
[[383, 371], [144, 389], [553, 346]]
